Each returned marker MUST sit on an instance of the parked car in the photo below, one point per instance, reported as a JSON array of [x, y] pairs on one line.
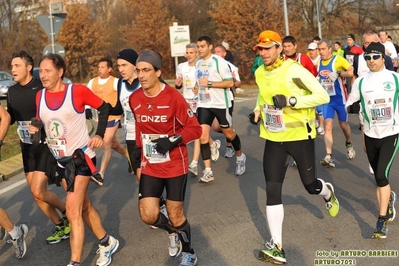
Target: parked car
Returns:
[[6, 81], [36, 75]]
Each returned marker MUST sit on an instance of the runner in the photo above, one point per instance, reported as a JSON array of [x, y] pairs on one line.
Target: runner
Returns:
[[164, 125]]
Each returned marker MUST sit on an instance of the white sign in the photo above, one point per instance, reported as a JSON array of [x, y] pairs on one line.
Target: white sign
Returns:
[[179, 38]]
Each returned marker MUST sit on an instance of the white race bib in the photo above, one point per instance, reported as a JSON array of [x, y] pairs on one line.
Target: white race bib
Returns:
[[149, 151]]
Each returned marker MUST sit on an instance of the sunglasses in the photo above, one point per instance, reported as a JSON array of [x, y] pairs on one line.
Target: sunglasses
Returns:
[[375, 57]]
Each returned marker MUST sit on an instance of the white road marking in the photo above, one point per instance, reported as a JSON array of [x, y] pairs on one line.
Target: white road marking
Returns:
[[11, 187]]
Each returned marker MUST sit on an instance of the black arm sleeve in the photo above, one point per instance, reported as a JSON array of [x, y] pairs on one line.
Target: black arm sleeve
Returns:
[[117, 109], [103, 112]]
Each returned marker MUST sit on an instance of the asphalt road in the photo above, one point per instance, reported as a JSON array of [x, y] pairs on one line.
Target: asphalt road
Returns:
[[227, 216]]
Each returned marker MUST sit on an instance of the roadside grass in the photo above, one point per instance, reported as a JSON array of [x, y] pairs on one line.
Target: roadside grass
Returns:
[[10, 146]]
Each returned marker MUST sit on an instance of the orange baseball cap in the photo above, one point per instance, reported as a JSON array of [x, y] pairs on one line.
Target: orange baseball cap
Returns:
[[268, 39]]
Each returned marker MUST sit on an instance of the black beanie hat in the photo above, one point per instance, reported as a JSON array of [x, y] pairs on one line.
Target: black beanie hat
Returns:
[[129, 55]]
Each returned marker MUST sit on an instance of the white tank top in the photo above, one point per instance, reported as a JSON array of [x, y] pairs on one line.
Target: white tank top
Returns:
[[65, 126], [128, 119]]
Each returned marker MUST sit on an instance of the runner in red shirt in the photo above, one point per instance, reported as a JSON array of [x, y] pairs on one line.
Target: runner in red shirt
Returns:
[[164, 125]]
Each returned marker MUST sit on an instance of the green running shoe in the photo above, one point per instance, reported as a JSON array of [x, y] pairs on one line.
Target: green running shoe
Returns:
[[391, 212], [67, 226], [3, 233], [58, 235], [272, 254], [332, 204], [381, 231]]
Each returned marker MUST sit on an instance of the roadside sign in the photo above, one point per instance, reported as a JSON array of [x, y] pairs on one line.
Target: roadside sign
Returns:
[[58, 49], [179, 38], [56, 7], [58, 20]]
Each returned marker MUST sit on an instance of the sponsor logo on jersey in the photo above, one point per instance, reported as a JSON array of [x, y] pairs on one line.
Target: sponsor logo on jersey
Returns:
[[152, 118], [163, 107]]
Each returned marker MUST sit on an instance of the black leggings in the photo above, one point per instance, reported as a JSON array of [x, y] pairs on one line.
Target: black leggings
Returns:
[[381, 153], [276, 157]]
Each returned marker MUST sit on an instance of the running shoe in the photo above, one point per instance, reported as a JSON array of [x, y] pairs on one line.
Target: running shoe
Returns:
[[320, 131], [188, 259], [58, 235], [229, 152], [328, 161], [207, 177], [240, 165], [391, 212], [193, 168], [3, 233], [371, 169], [98, 178], [381, 230], [20, 243], [105, 257], [272, 254], [175, 245], [293, 163], [215, 150], [332, 204], [350, 151]]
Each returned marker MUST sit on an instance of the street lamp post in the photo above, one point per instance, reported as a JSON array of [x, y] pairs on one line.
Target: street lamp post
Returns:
[[318, 18], [287, 27]]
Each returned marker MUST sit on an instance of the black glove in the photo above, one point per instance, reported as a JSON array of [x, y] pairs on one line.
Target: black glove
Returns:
[[251, 117], [89, 114], [163, 145], [279, 101], [354, 108], [35, 138]]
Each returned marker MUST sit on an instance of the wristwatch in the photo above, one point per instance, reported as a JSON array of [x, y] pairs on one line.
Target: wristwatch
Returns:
[[292, 101], [1, 143], [209, 84]]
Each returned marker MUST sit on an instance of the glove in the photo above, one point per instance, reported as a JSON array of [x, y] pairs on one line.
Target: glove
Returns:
[[89, 114], [35, 138], [163, 145], [279, 101], [354, 108], [333, 76], [251, 117]]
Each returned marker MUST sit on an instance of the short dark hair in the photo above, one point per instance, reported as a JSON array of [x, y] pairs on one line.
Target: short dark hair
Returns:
[[24, 56], [57, 60], [290, 39], [205, 38], [107, 60], [316, 38], [337, 42]]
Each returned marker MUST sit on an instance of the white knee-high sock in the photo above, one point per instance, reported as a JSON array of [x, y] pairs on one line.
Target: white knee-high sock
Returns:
[[275, 217], [325, 192]]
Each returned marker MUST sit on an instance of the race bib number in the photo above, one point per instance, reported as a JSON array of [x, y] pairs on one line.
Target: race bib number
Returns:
[[23, 132], [204, 96], [273, 119], [193, 102], [381, 113], [149, 151], [328, 85], [57, 147]]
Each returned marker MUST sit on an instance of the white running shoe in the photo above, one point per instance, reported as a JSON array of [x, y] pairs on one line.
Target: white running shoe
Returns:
[[193, 169], [350, 151], [207, 177], [188, 259], [229, 152], [105, 257], [328, 161], [175, 246], [215, 150], [320, 131], [20, 243], [240, 165]]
